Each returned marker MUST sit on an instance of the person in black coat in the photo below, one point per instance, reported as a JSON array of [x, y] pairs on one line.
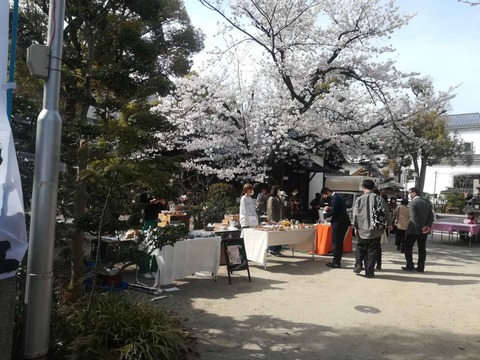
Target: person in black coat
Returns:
[[340, 224], [316, 204]]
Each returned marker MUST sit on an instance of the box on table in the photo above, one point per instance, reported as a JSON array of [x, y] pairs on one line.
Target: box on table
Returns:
[[231, 217], [235, 217], [173, 219]]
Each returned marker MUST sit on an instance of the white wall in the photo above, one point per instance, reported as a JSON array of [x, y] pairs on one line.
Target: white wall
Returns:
[[315, 185], [444, 177], [471, 135], [440, 177]]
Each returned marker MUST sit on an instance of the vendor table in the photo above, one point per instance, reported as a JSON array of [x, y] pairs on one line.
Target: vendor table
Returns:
[[324, 240], [258, 241], [186, 258], [450, 227]]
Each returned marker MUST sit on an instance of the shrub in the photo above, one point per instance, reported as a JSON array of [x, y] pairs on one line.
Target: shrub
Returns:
[[455, 200], [116, 329], [221, 199]]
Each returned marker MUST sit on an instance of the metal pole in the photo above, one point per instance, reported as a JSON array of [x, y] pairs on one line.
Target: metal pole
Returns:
[[38, 296]]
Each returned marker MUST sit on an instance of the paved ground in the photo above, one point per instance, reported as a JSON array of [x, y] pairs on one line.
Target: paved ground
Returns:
[[299, 309]]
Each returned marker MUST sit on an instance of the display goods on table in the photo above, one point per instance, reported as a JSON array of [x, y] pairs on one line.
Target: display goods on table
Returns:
[[284, 225], [296, 236]]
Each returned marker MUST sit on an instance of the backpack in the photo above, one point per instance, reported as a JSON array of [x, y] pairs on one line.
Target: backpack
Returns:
[[378, 216]]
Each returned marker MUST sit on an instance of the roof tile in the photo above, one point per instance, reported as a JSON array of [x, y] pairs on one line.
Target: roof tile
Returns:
[[462, 120]]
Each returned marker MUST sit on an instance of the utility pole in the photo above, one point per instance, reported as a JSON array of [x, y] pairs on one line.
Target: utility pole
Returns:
[[38, 294], [404, 180]]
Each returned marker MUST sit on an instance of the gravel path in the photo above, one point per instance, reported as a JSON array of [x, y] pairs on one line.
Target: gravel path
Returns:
[[299, 309]]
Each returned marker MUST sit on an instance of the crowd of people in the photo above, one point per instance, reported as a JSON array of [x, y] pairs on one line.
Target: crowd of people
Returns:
[[293, 206], [272, 206], [409, 221], [373, 217]]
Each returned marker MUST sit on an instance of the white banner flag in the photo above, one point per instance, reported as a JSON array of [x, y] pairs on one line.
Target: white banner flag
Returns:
[[13, 238]]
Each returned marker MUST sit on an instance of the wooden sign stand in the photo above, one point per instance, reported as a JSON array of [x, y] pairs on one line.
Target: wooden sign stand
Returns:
[[235, 256]]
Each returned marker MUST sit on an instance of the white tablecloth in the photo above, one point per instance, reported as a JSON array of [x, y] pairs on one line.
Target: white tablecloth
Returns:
[[186, 258], [258, 241]]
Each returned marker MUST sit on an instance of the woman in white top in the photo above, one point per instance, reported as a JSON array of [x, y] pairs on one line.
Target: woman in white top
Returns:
[[401, 217], [248, 215]]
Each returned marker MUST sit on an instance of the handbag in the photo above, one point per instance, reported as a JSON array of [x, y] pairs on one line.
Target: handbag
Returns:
[[384, 238]]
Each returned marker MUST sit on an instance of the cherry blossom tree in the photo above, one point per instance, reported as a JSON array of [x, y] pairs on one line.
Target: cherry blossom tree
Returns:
[[471, 3], [424, 138], [320, 77]]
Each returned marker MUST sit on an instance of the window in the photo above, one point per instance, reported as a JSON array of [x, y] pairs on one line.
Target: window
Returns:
[[468, 146], [464, 181]]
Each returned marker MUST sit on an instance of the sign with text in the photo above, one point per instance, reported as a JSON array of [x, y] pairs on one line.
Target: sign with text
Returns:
[[235, 256]]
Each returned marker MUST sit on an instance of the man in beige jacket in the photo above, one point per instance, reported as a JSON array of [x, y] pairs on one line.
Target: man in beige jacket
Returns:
[[401, 217]]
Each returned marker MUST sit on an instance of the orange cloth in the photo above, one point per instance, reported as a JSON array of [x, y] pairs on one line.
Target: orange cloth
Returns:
[[324, 240]]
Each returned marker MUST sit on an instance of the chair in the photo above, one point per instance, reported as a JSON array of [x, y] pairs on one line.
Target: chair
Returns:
[[235, 256]]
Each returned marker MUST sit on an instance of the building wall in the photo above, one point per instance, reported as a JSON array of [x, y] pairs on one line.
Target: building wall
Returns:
[[440, 177], [315, 185], [471, 135]]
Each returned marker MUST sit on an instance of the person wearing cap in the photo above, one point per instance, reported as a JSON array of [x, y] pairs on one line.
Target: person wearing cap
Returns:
[[275, 213], [340, 224]]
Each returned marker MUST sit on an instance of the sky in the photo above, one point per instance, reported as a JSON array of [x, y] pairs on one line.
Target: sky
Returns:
[[441, 41]]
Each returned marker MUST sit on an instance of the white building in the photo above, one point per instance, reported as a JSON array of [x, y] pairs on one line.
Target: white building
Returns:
[[443, 176]]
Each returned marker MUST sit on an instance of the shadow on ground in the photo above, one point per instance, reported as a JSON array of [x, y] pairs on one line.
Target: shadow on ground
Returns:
[[347, 333]]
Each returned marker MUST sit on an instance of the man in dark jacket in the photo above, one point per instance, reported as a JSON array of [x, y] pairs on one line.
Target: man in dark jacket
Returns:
[[340, 224], [421, 220]]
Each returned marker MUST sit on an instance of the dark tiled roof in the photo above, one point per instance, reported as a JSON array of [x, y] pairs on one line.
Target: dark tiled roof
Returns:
[[462, 120]]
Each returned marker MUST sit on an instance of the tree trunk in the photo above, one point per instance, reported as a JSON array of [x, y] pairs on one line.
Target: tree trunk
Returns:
[[421, 177], [80, 186], [416, 169], [79, 236]]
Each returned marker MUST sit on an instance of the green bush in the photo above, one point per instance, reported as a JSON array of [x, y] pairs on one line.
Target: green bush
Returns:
[[221, 199], [116, 329], [455, 200]]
